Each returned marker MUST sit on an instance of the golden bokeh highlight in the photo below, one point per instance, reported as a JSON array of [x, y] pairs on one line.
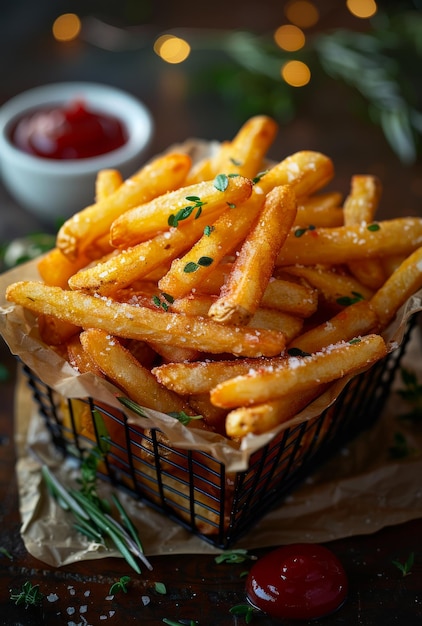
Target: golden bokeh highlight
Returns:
[[296, 73], [172, 49], [302, 13], [362, 8], [289, 37], [66, 27]]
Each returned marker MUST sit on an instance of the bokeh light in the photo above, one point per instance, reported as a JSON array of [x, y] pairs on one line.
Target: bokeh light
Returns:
[[362, 8], [289, 37], [296, 73], [172, 49], [302, 13], [66, 27]]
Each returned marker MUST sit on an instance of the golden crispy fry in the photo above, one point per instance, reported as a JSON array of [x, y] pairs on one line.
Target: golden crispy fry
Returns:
[[242, 293], [139, 261], [299, 374], [333, 284], [54, 331], [245, 154], [182, 205], [306, 171], [55, 268], [142, 323], [261, 418], [405, 281], [355, 320], [360, 208], [350, 243], [106, 183], [361, 204], [202, 170], [202, 376], [213, 416], [320, 210], [121, 368], [79, 233], [79, 358]]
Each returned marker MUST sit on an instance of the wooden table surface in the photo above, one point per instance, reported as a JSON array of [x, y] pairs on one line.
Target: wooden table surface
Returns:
[[198, 588]]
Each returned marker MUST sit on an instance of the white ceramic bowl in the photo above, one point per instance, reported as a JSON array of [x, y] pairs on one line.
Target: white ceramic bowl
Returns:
[[54, 189]]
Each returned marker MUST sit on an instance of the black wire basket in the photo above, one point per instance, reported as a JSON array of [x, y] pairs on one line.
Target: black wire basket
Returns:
[[191, 487]]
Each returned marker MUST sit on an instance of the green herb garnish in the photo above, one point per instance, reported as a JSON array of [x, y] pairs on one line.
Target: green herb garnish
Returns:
[[29, 595], [258, 177], [160, 588], [221, 182], [245, 610], [6, 553], [301, 231], [120, 585], [208, 230], [297, 352], [373, 227], [412, 393], [405, 567], [349, 300], [239, 555], [186, 212], [203, 261], [183, 417]]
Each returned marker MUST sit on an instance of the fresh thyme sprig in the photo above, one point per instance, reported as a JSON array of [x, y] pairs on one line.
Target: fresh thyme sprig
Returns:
[[29, 595]]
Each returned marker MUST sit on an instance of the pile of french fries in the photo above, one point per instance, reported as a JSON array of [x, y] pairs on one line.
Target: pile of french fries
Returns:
[[226, 288]]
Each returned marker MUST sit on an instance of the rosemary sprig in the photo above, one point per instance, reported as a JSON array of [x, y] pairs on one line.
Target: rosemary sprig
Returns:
[[29, 595]]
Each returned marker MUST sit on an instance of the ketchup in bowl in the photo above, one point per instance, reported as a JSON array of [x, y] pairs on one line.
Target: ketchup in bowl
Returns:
[[299, 581], [71, 131]]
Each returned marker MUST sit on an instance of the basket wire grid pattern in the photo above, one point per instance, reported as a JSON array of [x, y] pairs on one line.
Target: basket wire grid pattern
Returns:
[[191, 487]]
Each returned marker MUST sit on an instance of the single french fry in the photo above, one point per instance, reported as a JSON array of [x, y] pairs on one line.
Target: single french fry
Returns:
[[241, 294], [212, 415], [350, 243], [106, 183], [261, 418], [182, 205], [299, 374], [362, 202], [355, 320], [134, 322], [306, 171], [54, 331], [320, 210], [170, 353], [404, 282], [360, 208], [79, 359], [121, 368], [200, 377], [137, 262], [79, 233], [55, 268], [332, 284], [202, 170], [244, 155]]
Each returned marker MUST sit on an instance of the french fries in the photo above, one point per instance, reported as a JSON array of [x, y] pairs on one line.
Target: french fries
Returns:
[[228, 287]]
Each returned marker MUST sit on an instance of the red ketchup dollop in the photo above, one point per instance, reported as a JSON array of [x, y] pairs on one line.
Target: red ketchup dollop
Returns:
[[71, 131], [299, 581]]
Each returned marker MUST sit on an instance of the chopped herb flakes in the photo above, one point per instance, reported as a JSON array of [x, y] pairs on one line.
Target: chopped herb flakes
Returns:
[[221, 182]]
